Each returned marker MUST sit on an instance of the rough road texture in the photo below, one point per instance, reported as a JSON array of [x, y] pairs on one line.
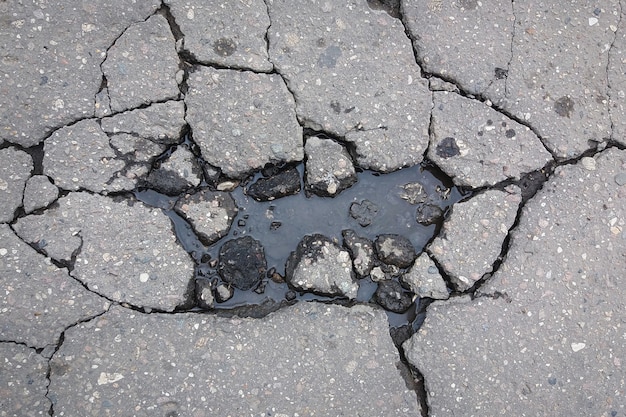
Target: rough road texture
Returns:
[[112, 302], [550, 321], [306, 358]]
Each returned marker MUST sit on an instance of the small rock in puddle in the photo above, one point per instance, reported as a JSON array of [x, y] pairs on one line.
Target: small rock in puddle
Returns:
[[242, 262], [224, 293], [282, 184], [391, 296], [321, 266], [395, 250], [362, 251], [378, 275], [427, 214], [363, 212], [204, 294], [414, 193]]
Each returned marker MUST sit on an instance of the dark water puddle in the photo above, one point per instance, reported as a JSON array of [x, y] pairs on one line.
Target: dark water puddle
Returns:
[[280, 225]]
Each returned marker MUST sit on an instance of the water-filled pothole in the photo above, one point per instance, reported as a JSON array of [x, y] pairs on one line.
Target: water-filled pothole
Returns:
[[279, 225]]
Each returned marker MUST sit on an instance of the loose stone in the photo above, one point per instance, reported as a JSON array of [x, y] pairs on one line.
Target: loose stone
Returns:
[[224, 293], [428, 214], [363, 212], [391, 296], [282, 184], [377, 274], [362, 251], [242, 262], [395, 250], [414, 193], [321, 266], [176, 174]]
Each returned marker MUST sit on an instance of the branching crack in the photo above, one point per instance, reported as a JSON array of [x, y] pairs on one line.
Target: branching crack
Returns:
[[58, 346]]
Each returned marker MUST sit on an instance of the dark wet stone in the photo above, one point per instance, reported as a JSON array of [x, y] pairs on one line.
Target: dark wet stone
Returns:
[[395, 250], [242, 262], [564, 106], [321, 266], [279, 185], [401, 334], [362, 251], [427, 214], [448, 148], [363, 212], [391, 296]]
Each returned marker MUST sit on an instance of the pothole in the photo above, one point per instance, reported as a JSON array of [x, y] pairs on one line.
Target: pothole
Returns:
[[396, 201]]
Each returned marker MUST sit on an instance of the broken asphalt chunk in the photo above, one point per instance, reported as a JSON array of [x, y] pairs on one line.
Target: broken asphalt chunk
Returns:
[[224, 33], [348, 81], [15, 169], [125, 252], [39, 300], [231, 361], [472, 236], [478, 146], [329, 168], [141, 66], [242, 120]]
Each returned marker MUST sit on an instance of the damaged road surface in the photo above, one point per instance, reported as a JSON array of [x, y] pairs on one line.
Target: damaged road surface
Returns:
[[266, 208]]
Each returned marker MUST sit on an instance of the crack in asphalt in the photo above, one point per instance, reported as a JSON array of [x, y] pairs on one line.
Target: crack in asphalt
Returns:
[[548, 169], [508, 65], [619, 29]]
